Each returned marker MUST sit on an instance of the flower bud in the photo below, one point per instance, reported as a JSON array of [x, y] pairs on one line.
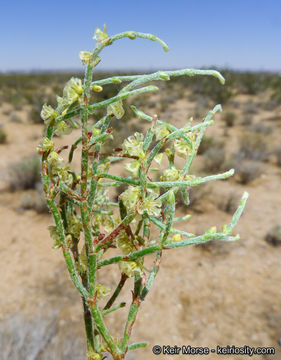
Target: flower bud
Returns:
[[115, 80], [177, 237], [131, 35], [97, 88], [164, 76]]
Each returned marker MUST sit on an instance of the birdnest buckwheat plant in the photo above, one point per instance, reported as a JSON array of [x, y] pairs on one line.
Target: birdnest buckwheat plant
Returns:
[[88, 223]]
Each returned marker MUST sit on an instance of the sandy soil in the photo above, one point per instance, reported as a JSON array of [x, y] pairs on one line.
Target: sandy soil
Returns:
[[221, 294]]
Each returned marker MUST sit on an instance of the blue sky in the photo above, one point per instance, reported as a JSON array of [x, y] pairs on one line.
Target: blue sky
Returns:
[[241, 34]]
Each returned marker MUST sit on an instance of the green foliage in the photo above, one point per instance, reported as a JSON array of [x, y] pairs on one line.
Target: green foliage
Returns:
[[88, 221]]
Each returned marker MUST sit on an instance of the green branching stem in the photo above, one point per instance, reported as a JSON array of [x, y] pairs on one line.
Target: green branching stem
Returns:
[[81, 202], [199, 139], [125, 95], [66, 252]]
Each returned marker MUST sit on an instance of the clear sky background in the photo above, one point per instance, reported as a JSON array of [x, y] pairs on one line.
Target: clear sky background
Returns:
[[238, 34]]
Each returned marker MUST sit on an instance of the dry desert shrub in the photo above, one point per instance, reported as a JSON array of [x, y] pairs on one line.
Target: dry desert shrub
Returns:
[[209, 142], [278, 156], [229, 118], [36, 339], [253, 146], [213, 159], [228, 203], [25, 174], [3, 135]]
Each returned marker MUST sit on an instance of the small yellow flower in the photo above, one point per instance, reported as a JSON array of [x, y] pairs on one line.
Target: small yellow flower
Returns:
[[134, 145], [151, 205], [64, 175], [45, 145], [124, 244], [48, 113], [177, 237], [54, 160], [133, 167], [161, 132], [182, 149], [100, 35], [171, 174], [62, 128], [86, 57], [129, 268], [116, 109], [130, 197], [72, 90], [102, 291]]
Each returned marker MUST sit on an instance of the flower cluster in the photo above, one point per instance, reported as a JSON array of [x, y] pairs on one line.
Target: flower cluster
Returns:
[[71, 93]]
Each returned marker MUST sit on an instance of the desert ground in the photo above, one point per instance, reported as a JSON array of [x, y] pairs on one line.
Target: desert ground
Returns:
[[216, 294]]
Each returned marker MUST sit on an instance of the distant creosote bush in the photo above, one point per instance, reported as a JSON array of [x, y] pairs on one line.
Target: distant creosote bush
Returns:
[[25, 174], [88, 221]]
